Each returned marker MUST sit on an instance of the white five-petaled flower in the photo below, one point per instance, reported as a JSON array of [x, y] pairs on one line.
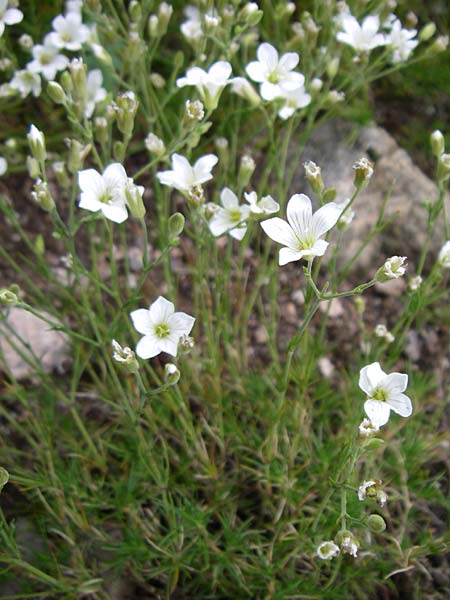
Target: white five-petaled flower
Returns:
[[384, 393], [183, 176], [26, 82], [293, 100], [161, 327], [393, 268], [8, 16], [230, 217], [266, 206], [302, 235], [327, 550], [69, 32], [208, 83], [104, 192], [402, 42], [47, 60], [94, 91], [364, 37], [444, 255], [274, 73]]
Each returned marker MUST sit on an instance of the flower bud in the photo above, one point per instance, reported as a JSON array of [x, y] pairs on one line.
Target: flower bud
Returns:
[[26, 41], [171, 374], [41, 194], [246, 169], [78, 73], [427, 32], [334, 97], [66, 82], [332, 67], [135, 11], [186, 344], [7, 296], [440, 44], [36, 141], [175, 225], [437, 142], [443, 170], [314, 176], [153, 26], [33, 167], [157, 80], [164, 13], [59, 169], [154, 144], [125, 356], [347, 542], [243, 88], [444, 256], [376, 523], [77, 155], [373, 443], [392, 269], [56, 92], [363, 172], [133, 195], [127, 106], [316, 85], [194, 111], [101, 129], [4, 478]]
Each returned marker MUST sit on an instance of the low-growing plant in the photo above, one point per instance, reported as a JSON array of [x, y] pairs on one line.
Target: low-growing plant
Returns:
[[196, 443]]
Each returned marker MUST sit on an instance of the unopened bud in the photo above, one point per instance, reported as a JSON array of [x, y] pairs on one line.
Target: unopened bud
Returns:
[[101, 129], [427, 32], [154, 144], [164, 13], [175, 225], [332, 67], [4, 478], [443, 170], [26, 41], [157, 80], [135, 11], [437, 142], [41, 194], [36, 141], [316, 85], [56, 92], [186, 344], [393, 268], [7, 296], [411, 20], [59, 169], [440, 44], [376, 523], [171, 374], [127, 106], [314, 176], [153, 26], [363, 172], [77, 155], [33, 167], [246, 169], [133, 194]]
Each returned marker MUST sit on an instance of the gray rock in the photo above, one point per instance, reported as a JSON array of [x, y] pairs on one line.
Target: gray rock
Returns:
[[335, 147], [33, 340]]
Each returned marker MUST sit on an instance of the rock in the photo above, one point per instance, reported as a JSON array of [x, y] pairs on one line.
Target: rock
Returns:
[[334, 308], [335, 147], [34, 338], [393, 287]]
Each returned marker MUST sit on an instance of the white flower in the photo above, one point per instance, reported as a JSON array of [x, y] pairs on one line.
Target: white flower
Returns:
[[104, 192], [362, 38], [302, 234], [381, 331], [74, 6], [162, 328], [294, 100], [183, 177], [192, 27], [367, 428], [69, 32], [122, 354], [372, 489], [444, 255], [47, 60], [402, 41], [327, 550], [3, 165], [26, 82], [384, 393], [8, 16], [393, 268], [208, 83], [346, 216], [266, 206], [349, 544], [415, 283], [273, 73], [95, 93], [231, 218]]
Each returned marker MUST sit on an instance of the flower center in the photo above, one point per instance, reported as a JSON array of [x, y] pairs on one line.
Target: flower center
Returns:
[[66, 37], [235, 215], [162, 330], [46, 59], [380, 394], [105, 197], [273, 77]]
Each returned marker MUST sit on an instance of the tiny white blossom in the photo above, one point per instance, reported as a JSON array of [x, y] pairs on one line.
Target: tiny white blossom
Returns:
[[402, 42], [444, 255], [104, 192], [183, 176], [372, 489], [192, 27], [349, 544], [26, 82], [381, 331], [294, 100], [367, 428], [122, 354], [415, 283], [8, 16], [364, 37], [95, 93], [393, 268], [384, 393], [327, 550], [209, 84], [274, 73], [266, 206], [69, 32], [161, 327], [154, 144], [302, 235], [47, 60], [231, 217]]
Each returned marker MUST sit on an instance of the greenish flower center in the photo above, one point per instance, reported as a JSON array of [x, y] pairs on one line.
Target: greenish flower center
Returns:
[[235, 215], [273, 77], [162, 330], [46, 59], [106, 197], [380, 394]]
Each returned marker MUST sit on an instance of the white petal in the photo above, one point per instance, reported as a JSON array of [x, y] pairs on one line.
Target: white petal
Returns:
[[115, 212], [286, 112], [161, 310], [370, 376], [115, 174], [203, 168], [181, 323], [270, 91], [228, 198], [141, 320], [89, 179], [396, 382], [377, 411], [325, 218], [148, 347], [220, 222], [252, 198], [267, 54], [289, 60], [287, 255], [299, 213], [256, 71], [319, 248], [171, 179], [280, 231], [88, 201], [292, 81], [220, 72], [169, 344], [371, 24], [401, 404], [238, 232], [12, 16]]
